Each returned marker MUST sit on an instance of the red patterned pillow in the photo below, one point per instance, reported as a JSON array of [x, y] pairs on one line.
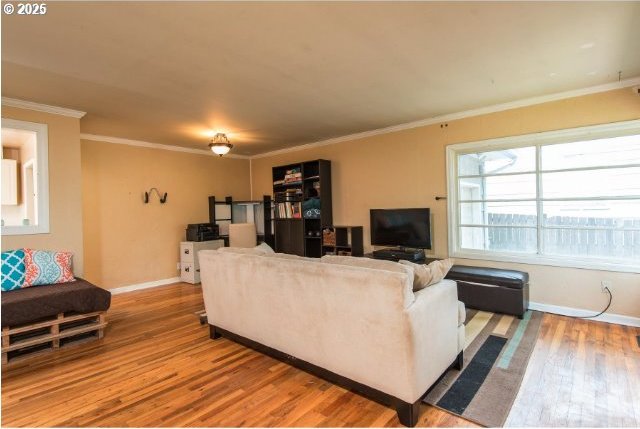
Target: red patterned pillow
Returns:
[[45, 267]]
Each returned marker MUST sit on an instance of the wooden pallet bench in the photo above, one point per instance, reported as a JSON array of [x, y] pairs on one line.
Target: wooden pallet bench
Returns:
[[51, 333]]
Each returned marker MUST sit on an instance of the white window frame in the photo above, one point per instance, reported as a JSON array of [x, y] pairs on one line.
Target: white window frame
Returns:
[[42, 178], [539, 139]]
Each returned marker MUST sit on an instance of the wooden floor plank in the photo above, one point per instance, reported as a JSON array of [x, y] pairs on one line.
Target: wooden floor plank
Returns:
[[582, 373], [157, 367]]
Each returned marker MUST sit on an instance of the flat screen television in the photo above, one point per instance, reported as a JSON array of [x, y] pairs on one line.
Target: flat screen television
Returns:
[[401, 227]]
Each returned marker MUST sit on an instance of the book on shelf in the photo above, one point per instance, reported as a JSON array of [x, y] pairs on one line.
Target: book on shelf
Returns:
[[289, 210], [288, 180], [296, 211], [293, 175]]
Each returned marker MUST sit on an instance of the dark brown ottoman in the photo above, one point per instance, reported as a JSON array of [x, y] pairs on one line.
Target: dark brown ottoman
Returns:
[[492, 289]]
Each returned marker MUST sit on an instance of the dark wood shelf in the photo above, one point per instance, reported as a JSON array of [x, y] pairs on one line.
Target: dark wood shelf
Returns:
[[292, 237], [288, 185], [267, 205], [347, 238]]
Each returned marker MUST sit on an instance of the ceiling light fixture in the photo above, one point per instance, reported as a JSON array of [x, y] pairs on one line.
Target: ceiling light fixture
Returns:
[[220, 144]]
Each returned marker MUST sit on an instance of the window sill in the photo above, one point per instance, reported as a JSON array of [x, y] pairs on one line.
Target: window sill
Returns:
[[25, 229], [586, 264]]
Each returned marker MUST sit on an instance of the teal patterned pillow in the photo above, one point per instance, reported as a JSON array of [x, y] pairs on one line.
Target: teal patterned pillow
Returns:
[[13, 270]]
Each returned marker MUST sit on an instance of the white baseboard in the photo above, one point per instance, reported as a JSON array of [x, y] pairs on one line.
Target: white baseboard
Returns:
[[145, 285], [618, 319]]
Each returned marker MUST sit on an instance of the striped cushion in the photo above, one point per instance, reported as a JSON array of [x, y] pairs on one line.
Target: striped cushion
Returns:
[[13, 270], [45, 267]]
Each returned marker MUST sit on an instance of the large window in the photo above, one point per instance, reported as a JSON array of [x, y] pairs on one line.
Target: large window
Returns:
[[568, 198]]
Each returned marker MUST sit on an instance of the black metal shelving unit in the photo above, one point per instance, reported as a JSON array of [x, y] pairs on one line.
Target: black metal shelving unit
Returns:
[[268, 227]]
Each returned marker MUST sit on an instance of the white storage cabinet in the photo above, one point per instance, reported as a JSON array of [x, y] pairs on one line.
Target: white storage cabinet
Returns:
[[189, 264]]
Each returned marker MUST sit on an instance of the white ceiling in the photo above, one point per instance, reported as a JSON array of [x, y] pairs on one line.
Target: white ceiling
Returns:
[[275, 75]]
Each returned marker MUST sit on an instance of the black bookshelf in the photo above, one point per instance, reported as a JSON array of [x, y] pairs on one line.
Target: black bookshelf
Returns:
[[267, 236], [302, 206]]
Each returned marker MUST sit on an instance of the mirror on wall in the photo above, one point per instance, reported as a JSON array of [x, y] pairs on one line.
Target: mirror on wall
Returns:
[[24, 175]]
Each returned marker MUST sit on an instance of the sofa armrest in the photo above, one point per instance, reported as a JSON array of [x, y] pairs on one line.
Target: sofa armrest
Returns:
[[433, 320]]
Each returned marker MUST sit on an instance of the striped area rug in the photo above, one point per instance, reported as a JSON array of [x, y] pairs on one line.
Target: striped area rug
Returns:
[[496, 353]]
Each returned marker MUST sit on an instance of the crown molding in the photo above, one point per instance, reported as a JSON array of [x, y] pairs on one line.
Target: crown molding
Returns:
[[460, 115], [12, 102], [30, 105], [140, 143]]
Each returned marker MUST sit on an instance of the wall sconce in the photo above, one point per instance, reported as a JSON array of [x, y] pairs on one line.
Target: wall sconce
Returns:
[[162, 198]]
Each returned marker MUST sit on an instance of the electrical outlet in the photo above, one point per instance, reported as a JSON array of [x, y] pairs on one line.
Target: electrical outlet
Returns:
[[605, 284], [178, 266]]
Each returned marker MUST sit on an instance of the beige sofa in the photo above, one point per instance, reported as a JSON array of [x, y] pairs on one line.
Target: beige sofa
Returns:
[[360, 327]]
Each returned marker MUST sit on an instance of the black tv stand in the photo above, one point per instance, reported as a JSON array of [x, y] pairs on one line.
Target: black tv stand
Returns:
[[399, 253]]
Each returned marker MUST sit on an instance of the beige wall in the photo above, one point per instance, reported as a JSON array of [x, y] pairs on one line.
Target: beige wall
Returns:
[[128, 242], [407, 169], [65, 187]]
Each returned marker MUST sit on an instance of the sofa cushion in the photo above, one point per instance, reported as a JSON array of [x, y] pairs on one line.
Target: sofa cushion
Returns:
[[427, 275], [13, 270], [265, 248], [293, 257], [375, 264], [45, 267], [243, 250], [28, 305], [422, 276], [441, 267], [462, 313]]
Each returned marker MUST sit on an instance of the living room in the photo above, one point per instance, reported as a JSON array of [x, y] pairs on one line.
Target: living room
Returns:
[[394, 97]]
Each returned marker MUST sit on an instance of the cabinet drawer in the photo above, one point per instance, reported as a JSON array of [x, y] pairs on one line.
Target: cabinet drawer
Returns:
[[189, 273], [186, 252]]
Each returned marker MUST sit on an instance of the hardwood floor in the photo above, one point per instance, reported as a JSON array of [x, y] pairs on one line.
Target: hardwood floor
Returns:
[[157, 367], [581, 374]]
